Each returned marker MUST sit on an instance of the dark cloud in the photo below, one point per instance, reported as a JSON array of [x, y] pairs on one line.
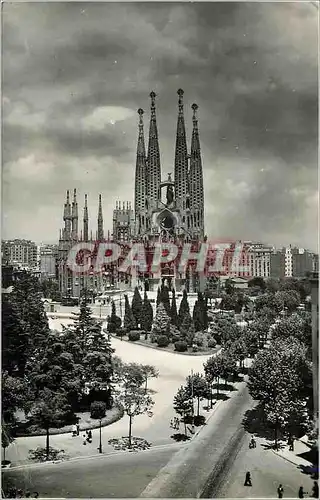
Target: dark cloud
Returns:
[[74, 75]]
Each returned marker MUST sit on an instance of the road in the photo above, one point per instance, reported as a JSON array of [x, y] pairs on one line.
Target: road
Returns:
[[267, 470], [186, 475], [115, 476]]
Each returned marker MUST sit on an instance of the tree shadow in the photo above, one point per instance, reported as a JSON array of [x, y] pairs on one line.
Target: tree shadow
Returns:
[[255, 423], [310, 470], [220, 396], [180, 437], [238, 378], [271, 446]]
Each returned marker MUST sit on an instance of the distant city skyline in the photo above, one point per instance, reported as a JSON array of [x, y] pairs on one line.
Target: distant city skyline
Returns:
[[72, 87]]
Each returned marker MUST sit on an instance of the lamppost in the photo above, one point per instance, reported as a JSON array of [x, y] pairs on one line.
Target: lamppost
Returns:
[[100, 441], [192, 415]]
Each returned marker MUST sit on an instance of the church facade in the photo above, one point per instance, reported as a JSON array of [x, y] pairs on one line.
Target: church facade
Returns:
[[167, 209]]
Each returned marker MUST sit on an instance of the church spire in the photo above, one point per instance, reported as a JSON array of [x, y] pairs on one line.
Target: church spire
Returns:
[[141, 176], [181, 158], [75, 216], [196, 179], [67, 217], [153, 161], [85, 219], [100, 221]]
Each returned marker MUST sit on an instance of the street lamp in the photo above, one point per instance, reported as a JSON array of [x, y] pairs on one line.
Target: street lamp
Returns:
[[192, 416], [100, 441]]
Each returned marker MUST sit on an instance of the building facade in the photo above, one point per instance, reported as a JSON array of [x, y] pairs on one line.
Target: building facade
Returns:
[[48, 261], [20, 253], [169, 209], [292, 262]]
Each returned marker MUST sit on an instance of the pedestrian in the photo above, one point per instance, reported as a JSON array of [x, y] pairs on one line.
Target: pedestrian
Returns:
[[89, 436], [84, 439], [280, 491], [171, 423], [252, 443], [315, 490], [291, 443], [78, 428], [74, 430], [301, 493], [247, 481]]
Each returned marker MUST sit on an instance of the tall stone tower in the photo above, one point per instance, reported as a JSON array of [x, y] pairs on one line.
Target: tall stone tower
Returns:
[[196, 182], [181, 163], [140, 198], [153, 160], [100, 234], [179, 215]]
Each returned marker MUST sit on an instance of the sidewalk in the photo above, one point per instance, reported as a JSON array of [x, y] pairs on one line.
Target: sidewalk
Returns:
[[293, 456]]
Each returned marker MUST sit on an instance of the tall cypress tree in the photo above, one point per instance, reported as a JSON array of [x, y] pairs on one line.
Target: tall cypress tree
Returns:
[[173, 311], [184, 308], [129, 321], [158, 296], [165, 299], [147, 314], [114, 321], [197, 317], [136, 306]]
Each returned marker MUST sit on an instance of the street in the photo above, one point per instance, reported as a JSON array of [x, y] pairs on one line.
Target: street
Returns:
[[123, 475], [267, 472]]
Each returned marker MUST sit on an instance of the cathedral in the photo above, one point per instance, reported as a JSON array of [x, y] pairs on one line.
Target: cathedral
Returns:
[[165, 210]]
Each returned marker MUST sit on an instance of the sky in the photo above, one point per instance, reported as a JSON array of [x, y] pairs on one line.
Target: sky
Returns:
[[74, 75]]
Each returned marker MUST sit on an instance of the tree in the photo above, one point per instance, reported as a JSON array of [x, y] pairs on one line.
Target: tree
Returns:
[[50, 410], [26, 296], [198, 317], [186, 325], [165, 299], [15, 339], [183, 405], [129, 321], [184, 308], [6, 438], [114, 322], [257, 282], [158, 296], [134, 401], [50, 289], [228, 302], [174, 312], [147, 314], [289, 300], [301, 286], [136, 306], [161, 321], [229, 287], [277, 380], [197, 387], [149, 371], [272, 285], [190, 333]]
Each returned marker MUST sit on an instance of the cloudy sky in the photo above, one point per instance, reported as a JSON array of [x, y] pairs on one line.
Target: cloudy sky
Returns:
[[74, 75]]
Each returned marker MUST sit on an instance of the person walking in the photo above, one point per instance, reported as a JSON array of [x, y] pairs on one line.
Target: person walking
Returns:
[[252, 443], [280, 491], [315, 490], [248, 481], [291, 443], [78, 428], [89, 436], [301, 493], [74, 430]]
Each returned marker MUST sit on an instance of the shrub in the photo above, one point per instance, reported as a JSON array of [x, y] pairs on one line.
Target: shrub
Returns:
[[175, 338], [212, 343], [134, 335], [120, 332], [163, 341], [153, 338], [98, 409], [181, 346], [195, 348], [199, 420]]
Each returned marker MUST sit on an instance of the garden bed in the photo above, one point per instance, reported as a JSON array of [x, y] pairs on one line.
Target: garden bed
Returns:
[[86, 423], [169, 348]]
